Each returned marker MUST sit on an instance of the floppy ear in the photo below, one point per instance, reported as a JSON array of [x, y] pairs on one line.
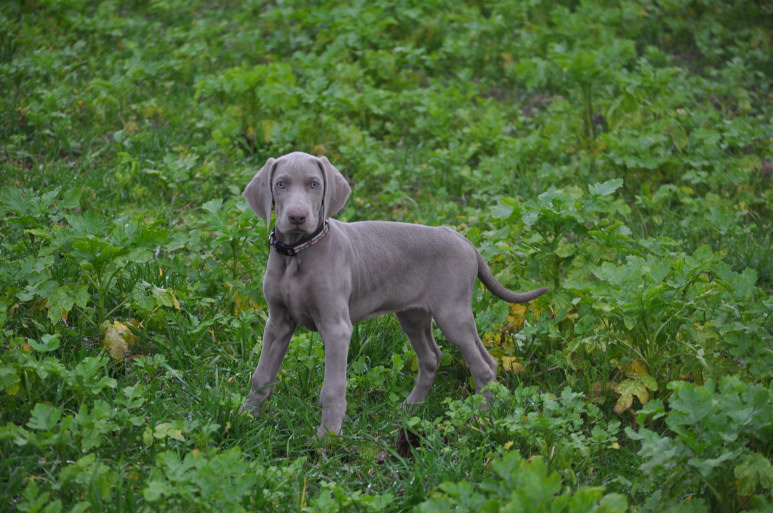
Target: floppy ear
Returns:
[[337, 190], [258, 192]]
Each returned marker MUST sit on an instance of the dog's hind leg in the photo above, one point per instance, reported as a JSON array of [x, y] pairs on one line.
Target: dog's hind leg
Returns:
[[459, 328], [417, 325]]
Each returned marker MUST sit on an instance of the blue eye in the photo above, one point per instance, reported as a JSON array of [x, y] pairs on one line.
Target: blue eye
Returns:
[[314, 184], [280, 184]]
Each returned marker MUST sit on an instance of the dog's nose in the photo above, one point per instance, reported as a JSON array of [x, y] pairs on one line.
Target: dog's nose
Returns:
[[296, 215]]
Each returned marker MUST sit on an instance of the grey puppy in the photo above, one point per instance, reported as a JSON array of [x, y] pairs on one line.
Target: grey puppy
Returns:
[[327, 275]]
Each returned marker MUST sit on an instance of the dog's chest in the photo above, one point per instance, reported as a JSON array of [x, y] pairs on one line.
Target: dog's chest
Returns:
[[293, 292]]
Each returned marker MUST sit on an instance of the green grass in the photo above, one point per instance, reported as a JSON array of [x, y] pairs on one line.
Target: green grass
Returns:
[[617, 151]]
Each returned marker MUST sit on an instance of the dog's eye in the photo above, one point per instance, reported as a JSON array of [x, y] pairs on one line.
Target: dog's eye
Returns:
[[280, 184], [314, 184]]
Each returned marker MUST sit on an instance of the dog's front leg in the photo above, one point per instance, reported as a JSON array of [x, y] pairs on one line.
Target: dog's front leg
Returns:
[[332, 397], [276, 339]]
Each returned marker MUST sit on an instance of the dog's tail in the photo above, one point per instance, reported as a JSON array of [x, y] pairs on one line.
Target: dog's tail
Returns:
[[499, 290]]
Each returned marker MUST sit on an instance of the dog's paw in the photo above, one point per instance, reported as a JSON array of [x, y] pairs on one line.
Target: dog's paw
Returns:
[[409, 408], [247, 412], [324, 433]]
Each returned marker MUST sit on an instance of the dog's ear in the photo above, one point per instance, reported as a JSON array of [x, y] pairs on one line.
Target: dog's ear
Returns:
[[258, 192], [337, 190]]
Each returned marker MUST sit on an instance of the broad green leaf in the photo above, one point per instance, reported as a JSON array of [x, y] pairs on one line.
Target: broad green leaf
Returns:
[[34, 501], [741, 285], [71, 198], [155, 489], [562, 303], [165, 297], [613, 503], [689, 404], [94, 252], [61, 301], [89, 223], [213, 206], [47, 343], [606, 188], [707, 466], [9, 379], [678, 135], [132, 397], [565, 250], [614, 274], [44, 417], [12, 200], [656, 451], [755, 471], [501, 211], [530, 216], [42, 287]]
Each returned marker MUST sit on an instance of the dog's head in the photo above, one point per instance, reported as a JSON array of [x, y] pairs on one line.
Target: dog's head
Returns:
[[304, 190]]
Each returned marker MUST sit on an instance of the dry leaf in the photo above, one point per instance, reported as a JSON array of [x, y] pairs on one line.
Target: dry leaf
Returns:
[[118, 338]]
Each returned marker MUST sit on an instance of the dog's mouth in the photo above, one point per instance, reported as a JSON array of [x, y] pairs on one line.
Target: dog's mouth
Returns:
[[293, 233], [298, 229]]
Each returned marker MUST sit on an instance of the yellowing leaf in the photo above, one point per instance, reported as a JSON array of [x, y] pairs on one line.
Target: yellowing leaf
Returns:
[[115, 344], [636, 368], [165, 430], [649, 382], [118, 338], [165, 297], [623, 403], [600, 389], [176, 434], [517, 315], [242, 303], [629, 388], [147, 437], [510, 363]]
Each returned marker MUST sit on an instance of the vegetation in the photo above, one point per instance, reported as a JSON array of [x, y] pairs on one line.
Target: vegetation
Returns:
[[618, 151]]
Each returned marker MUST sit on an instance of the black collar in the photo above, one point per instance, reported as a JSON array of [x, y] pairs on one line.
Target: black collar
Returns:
[[286, 249]]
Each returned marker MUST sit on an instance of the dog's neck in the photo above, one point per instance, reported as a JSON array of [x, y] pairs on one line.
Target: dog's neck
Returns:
[[297, 247]]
